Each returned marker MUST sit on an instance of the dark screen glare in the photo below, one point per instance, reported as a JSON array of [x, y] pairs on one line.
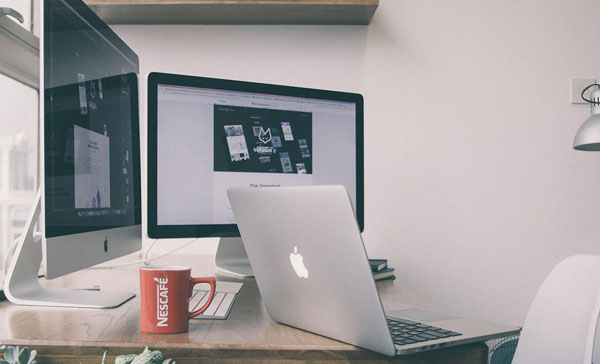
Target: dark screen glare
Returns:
[[91, 125]]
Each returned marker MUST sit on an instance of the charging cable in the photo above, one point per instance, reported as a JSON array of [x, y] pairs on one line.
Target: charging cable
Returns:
[[145, 256]]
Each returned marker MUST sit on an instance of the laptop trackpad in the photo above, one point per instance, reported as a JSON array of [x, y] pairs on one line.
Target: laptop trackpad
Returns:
[[416, 314]]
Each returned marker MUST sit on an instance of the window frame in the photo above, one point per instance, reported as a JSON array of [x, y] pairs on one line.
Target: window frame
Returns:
[[19, 61], [20, 58]]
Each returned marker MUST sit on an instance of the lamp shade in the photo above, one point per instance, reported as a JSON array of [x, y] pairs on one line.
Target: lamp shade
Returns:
[[588, 135]]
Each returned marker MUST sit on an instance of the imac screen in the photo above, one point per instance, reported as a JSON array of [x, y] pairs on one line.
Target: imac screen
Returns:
[[91, 126]]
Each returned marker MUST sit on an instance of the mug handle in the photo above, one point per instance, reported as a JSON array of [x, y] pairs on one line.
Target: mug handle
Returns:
[[213, 287]]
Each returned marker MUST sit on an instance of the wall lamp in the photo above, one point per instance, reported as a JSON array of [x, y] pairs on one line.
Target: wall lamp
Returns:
[[588, 135]]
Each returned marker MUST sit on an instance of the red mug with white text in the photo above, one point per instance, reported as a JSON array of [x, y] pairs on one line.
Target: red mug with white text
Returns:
[[165, 292]]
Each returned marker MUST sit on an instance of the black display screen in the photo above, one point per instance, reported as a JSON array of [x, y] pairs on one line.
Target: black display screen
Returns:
[[263, 131], [207, 135], [91, 123]]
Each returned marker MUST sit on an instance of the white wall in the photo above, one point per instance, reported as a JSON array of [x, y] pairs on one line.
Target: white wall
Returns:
[[472, 188]]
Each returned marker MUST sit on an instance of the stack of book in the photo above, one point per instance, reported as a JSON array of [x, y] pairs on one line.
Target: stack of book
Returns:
[[380, 270]]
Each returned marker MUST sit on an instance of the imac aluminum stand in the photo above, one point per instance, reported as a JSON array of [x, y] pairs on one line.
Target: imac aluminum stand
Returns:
[[231, 258], [22, 285]]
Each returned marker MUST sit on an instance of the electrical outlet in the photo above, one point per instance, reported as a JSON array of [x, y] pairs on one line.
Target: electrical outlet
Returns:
[[577, 85]]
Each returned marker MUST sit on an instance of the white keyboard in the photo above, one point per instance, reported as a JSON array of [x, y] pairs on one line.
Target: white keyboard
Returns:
[[221, 305]]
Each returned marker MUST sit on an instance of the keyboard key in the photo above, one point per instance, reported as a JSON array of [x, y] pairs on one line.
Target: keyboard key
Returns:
[[224, 306], [395, 320], [437, 334], [210, 311], [204, 300], [199, 296], [408, 332]]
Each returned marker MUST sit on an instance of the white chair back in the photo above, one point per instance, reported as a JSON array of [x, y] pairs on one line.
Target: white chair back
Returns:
[[561, 323]]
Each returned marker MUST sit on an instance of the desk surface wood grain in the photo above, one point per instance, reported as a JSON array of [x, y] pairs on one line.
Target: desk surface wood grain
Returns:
[[67, 335]]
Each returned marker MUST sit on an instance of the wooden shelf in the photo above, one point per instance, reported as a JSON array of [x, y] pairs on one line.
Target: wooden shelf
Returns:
[[342, 12]]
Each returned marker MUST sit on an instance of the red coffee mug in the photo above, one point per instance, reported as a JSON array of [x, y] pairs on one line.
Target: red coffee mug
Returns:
[[165, 293]]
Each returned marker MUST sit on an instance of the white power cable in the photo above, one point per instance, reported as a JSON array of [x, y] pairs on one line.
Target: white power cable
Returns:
[[145, 258], [172, 251], [145, 255]]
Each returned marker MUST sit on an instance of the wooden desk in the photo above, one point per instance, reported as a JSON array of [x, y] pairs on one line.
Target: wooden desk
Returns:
[[66, 335]]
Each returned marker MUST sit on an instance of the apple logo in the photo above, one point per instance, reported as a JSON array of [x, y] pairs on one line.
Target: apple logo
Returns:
[[298, 264]]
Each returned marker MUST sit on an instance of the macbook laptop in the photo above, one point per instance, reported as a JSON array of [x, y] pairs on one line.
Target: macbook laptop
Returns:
[[307, 254]]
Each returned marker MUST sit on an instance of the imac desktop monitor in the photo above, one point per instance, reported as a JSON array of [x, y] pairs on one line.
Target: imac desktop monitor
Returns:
[[207, 135], [90, 192]]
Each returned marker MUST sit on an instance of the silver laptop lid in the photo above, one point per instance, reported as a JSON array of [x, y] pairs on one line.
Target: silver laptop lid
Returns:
[[296, 262]]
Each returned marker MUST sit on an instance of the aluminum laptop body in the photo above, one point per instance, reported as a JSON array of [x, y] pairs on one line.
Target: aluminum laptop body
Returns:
[[307, 254]]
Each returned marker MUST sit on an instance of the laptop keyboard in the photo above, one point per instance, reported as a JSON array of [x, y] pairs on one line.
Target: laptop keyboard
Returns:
[[406, 332]]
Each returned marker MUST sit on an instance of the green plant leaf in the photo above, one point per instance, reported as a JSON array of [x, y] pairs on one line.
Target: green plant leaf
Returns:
[[124, 359], [10, 354], [2, 361], [24, 355], [156, 357], [32, 356]]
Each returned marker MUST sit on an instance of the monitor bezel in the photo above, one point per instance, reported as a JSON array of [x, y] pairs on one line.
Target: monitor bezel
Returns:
[[155, 79]]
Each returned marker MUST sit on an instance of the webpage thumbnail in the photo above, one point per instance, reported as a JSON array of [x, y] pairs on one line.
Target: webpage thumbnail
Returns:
[[257, 140], [92, 169]]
